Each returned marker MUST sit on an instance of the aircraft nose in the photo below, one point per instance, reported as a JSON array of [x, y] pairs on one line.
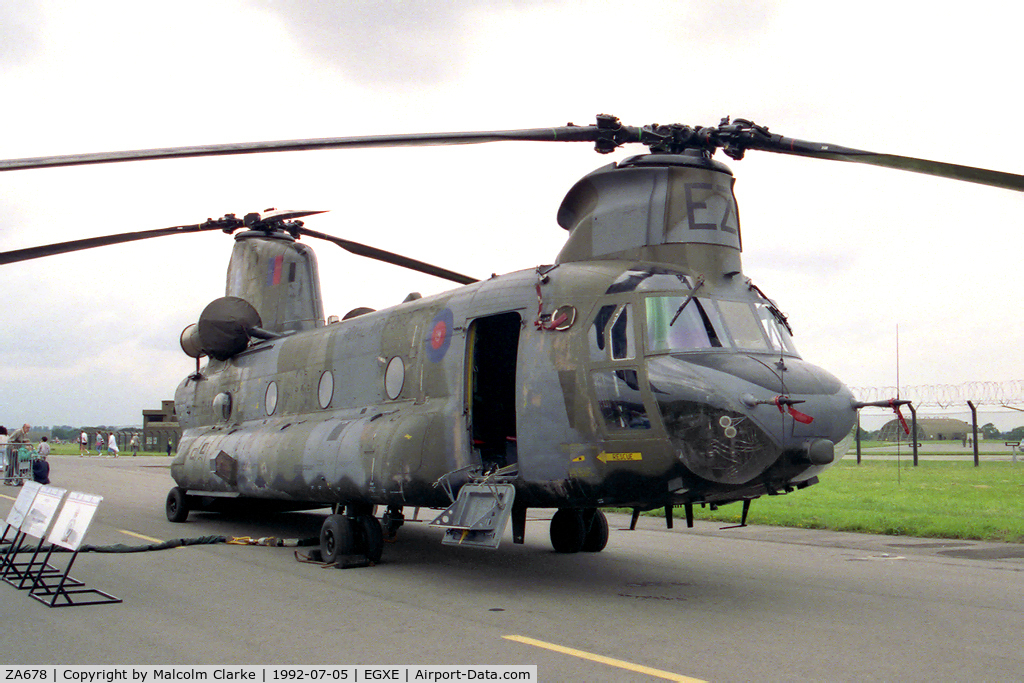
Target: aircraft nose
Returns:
[[721, 433], [715, 443]]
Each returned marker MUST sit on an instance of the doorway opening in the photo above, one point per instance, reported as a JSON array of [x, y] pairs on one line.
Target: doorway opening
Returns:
[[494, 351]]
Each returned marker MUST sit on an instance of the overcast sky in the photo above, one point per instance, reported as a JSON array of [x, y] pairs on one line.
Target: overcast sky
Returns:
[[848, 251]]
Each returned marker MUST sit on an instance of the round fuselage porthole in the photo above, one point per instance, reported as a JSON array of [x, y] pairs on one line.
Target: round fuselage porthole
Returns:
[[394, 378], [270, 399], [325, 392]]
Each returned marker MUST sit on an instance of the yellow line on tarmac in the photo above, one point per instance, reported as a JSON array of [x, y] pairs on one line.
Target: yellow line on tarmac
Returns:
[[144, 538], [601, 659], [4, 495]]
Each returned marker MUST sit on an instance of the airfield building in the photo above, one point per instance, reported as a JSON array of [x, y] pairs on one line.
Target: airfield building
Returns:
[[160, 428], [928, 429]]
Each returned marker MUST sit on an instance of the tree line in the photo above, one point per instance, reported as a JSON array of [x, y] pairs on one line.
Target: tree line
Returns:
[[69, 433]]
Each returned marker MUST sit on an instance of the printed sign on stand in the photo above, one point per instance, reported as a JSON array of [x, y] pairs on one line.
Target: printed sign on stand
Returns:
[[40, 514], [35, 522], [68, 532], [21, 506], [74, 520]]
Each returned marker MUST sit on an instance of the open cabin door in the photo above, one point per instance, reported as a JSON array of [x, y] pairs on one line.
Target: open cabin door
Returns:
[[491, 357]]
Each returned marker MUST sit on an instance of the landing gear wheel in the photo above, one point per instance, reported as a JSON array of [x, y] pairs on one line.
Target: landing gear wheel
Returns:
[[371, 537], [596, 537], [336, 538], [567, 531], [176, 506]]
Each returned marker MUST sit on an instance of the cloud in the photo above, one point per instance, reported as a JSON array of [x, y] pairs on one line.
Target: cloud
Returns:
[[386, 43], [732, 19], [20, 26]]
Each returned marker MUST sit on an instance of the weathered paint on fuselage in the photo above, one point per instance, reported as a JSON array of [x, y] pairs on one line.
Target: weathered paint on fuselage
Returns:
[[325, 415]]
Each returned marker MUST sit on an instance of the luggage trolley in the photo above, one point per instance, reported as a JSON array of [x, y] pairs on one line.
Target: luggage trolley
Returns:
[[18, 459]]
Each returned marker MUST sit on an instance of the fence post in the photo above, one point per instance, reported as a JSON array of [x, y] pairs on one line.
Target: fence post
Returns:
[[974, 421], [913, 429], [858, 436]]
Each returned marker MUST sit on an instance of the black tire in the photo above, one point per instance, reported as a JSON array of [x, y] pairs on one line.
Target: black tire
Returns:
[[176, 507], [371, 537], [597, 536], [336, 538], [567, 531]]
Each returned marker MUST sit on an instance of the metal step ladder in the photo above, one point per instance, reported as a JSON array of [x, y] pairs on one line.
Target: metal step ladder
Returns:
[[479, 515]]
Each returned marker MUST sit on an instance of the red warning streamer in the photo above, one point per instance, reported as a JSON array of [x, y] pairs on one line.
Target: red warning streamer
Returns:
[[785, 405], [896, 409]]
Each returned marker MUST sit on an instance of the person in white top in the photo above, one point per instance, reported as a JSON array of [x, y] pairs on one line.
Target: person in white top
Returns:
[[112, 445], [3, 453]]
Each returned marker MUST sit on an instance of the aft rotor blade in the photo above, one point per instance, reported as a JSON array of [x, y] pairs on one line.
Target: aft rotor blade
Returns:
[[562, 134], [819, 150], [92, 242], [392, 258]]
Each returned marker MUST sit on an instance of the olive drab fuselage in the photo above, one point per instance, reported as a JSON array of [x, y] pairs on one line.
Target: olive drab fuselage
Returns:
[[642, 369]]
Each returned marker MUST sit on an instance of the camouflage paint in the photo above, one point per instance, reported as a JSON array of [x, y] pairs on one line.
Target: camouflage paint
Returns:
[[375, 409]]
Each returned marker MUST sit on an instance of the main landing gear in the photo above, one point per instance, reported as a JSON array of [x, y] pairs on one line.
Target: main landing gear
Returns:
[[574, 530], [177, 507], [355, 537]]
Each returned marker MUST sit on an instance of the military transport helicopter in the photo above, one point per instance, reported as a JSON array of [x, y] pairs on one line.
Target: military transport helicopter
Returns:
[[640, 369]]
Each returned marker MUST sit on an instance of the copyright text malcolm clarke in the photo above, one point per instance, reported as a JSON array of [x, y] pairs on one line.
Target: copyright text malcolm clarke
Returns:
[[368, 673]]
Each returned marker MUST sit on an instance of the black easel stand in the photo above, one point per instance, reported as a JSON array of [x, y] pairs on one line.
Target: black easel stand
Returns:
[[17, 573], [7, 528], [45, 591], [5, 559]]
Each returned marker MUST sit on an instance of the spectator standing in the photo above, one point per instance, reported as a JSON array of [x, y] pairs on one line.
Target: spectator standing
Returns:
[[3, 452], [40, 467], [19, 436]]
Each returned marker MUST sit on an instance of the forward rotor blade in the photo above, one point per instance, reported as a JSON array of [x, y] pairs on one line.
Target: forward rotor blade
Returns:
[[92, 242], [392, 258], [562, 134], [819, 150], [608, 134]]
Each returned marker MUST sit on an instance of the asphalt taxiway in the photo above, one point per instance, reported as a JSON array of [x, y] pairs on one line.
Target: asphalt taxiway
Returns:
[[754, 603]]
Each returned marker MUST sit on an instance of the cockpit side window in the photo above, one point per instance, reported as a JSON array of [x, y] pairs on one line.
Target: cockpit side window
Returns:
[[597, 332], [620, 400], [612, 336], [621, 336]]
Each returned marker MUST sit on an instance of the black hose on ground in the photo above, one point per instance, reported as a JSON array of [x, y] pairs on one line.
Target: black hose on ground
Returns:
[[177, 543]]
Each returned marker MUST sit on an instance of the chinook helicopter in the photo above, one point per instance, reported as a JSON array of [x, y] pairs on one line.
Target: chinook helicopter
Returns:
[[641, 369]]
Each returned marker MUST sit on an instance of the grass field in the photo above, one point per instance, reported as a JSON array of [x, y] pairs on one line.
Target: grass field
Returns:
[[935, 499], [72, 449]]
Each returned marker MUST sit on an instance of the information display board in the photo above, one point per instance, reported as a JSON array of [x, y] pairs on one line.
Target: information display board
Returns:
[[74, 520], [40, 514], [21, 506]]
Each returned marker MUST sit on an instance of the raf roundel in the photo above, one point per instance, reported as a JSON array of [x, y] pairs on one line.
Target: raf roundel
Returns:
[[439, 335]]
